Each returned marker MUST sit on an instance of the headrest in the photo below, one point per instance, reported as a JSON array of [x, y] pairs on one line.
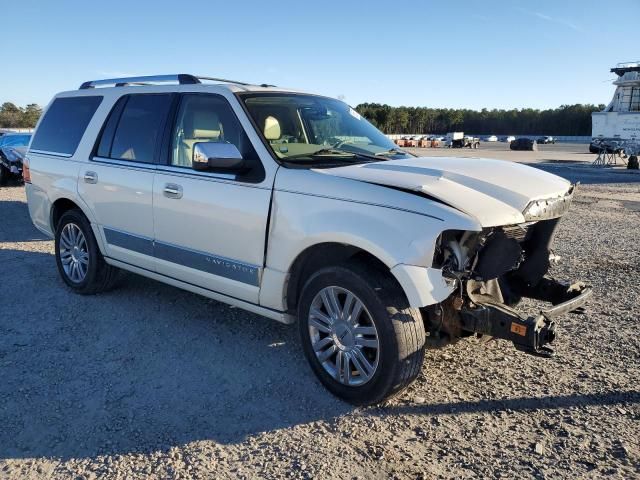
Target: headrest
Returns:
[[204, 133], [205, 124], [272, 128]]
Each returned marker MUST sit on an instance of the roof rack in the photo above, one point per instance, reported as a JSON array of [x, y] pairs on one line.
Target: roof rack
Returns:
[[181, 78]]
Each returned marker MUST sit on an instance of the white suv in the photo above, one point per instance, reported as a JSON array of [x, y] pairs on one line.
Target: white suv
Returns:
[[293, 206]]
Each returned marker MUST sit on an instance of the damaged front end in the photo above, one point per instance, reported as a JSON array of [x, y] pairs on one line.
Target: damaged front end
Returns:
[[12, 158], [496, 268]]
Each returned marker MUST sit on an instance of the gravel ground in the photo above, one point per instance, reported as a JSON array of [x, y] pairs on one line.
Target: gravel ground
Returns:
[[150, 381]]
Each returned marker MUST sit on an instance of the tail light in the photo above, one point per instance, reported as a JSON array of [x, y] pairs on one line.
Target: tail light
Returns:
[[26, 173]]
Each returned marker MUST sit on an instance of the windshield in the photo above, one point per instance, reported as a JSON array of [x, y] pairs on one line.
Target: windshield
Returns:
[[14, 140], [300, 127]]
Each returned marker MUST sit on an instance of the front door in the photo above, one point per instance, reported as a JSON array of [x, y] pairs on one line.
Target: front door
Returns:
[[209, 227]]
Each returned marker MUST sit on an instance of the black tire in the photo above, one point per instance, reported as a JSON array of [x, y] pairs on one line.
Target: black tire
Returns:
[[400, 330], [100, 276], [632, 163], [4, 175]]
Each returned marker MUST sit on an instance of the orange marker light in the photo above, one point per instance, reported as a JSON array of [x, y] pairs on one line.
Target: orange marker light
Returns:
[[26, 173]]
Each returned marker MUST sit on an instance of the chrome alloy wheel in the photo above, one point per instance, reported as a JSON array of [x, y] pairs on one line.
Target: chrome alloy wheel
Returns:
[[343, 336], [74, 254]]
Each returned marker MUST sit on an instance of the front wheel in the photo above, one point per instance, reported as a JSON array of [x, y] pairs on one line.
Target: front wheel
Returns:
[[359, 334]]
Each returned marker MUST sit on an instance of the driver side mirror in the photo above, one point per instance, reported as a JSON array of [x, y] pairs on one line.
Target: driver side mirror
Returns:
[[220, 157]]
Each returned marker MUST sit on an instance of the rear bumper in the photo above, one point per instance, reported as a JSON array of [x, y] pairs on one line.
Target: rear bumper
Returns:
[[39, 208], [530, 334]]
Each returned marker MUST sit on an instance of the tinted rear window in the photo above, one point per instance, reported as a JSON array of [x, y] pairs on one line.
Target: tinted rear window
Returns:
[[64, 123], [140, 127]]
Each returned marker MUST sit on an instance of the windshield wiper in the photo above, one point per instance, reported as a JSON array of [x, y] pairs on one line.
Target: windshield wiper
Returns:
[[322, 151], [391, 151]]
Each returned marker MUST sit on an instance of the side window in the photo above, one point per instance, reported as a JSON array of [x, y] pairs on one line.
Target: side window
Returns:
[[109, 128], [206, 118], [134, 128], [64, 123]]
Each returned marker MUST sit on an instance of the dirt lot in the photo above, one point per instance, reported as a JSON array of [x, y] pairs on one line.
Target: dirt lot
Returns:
[[150, 381]]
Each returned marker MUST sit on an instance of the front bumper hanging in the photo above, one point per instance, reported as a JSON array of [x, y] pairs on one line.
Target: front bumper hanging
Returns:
[[533, 334]]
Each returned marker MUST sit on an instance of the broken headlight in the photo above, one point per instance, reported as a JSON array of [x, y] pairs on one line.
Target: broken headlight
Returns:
[[547, 208]]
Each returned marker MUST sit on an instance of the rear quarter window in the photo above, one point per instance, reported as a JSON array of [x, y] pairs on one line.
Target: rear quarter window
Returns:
[[64, 123]]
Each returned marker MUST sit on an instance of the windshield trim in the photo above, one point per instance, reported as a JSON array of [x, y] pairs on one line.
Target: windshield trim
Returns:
[[242, 96]]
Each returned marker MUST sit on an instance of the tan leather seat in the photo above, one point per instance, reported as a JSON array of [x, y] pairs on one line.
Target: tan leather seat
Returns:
[[205, 126]]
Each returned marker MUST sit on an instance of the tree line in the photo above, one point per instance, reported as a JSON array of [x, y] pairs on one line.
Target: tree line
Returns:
[[12, 116], [565, 120]]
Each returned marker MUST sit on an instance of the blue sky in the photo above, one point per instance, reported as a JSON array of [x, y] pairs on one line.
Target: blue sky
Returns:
[[472, 54]]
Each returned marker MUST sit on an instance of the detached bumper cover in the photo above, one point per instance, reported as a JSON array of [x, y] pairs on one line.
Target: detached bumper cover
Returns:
[[11, 158], [531, 335], [423, 286]]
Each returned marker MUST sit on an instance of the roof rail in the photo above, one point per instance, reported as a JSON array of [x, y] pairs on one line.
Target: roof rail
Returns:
[[181, 78]]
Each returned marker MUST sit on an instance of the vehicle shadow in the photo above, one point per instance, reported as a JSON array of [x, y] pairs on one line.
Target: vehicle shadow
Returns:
[[143, 368], [15, 225]]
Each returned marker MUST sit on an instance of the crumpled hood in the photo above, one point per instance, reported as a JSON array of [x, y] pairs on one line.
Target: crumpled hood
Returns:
[[495, 192]]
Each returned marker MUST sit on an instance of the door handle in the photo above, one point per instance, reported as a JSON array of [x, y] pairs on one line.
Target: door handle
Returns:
[[90, 177], [172, 190]]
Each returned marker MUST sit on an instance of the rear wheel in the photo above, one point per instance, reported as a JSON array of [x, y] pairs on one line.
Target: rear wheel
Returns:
[[80, 263], [359, 334]]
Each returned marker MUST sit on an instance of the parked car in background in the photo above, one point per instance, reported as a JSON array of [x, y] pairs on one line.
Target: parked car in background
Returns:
[[11, 159], [507, 139], [523, 144], [13, 147], [546, 140], [15, 139], [491, 138]]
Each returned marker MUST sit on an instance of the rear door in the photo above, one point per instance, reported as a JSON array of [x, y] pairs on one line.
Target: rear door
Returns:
[[117, 183], [210, 227]]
